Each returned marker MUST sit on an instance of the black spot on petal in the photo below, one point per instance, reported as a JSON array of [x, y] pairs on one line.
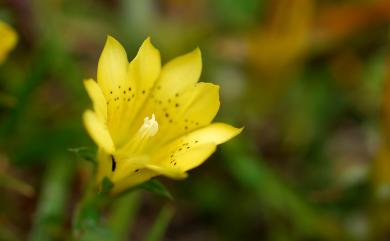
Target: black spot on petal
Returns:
[[113, 163]]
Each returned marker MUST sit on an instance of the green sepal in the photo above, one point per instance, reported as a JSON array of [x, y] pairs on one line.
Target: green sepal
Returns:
[[156, 187], [85, 153]]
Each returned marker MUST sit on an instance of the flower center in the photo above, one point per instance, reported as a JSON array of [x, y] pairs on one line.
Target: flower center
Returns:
[[141, 138], [149, 128]]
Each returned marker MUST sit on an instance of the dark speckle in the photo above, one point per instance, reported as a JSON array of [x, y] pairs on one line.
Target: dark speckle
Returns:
[[170, 121], [186, 127], [110, 92], [177, 94], [177, 105], [113, 163], [129, 89], [143, 92], [124, 92], [166, 115], [136, 170]]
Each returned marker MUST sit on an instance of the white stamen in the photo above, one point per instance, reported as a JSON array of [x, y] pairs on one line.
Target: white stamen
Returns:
[[149, 128], [140, 140]]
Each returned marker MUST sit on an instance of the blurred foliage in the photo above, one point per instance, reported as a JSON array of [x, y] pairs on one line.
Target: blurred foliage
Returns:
[[308, 79]]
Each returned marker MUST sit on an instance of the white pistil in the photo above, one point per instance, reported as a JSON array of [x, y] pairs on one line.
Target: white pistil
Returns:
[[139, 141], [149, 128]]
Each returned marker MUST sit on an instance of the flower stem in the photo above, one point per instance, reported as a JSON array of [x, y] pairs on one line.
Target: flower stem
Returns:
[[49, 216], [156, 232], [124, 211]]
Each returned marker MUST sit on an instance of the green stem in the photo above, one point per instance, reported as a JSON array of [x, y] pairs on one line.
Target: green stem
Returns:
[[50, 213], [124, 211], [157, 231]]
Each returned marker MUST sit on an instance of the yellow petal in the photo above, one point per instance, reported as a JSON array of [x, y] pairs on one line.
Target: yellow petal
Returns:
[[126, 166], [175, 163], [143, 71], [180, 73], [97, 97], [104, 168], [145, 67], [132, 180], [192, 149], [98, 131], [176, 77], [8, 40], [177, 115], [112, 68], [174, 173], [217, 133]]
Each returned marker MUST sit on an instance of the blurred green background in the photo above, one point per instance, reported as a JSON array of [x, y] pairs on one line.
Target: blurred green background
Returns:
[[309, 80]]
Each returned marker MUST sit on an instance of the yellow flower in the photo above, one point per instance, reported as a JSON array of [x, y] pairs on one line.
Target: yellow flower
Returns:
[[149, 120], [8, 40]]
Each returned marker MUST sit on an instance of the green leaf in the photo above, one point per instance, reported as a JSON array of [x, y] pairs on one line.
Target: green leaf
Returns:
[[85, 153], [107, 185], [156, 187]]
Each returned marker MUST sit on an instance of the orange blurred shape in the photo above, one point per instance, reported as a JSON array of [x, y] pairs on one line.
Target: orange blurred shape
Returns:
[[284, 39], [339, 21]]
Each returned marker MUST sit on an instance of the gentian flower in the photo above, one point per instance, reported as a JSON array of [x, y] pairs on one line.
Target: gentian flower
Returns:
[[149, 120]]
